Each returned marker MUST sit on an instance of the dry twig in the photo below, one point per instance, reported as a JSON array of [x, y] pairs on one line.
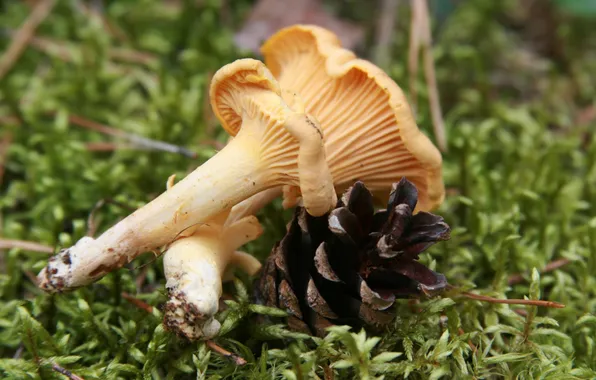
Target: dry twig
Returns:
[[104, 146], [384, 32], [137, 302], [64, 50], [22, 37], [32, 277], [65, 372], [518, 278], [225, 353], [489, 299], [25, 245], [421, 38], [135, 139], [111, 28]]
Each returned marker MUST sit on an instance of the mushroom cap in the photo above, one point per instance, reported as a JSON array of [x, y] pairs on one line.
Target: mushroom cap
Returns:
[[287, 142], [241, 76], [370, 131]]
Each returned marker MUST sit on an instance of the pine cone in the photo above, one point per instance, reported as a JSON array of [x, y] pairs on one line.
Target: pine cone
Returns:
[[349, 266]]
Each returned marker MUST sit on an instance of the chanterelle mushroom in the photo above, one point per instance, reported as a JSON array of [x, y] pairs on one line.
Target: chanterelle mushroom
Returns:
[[370, 131], [274, 145]]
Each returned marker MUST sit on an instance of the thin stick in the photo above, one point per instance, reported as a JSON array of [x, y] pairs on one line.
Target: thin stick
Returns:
[[32, 277], [22, 37], [239, 361], [384, 31], [421, 38], [112, 29], [25, 245], [489, 299], [133, 56], [413, 55], [66, 372], [137, 140], [137, 302], [518, 278], [431, 80], [64, 50], [104, 146]]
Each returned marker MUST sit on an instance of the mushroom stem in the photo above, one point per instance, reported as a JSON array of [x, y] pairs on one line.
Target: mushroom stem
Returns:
[[194, 267], [274, 146], [252, 205], [207, 191]]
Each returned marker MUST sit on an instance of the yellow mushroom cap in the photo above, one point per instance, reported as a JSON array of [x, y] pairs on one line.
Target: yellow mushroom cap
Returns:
[[286, 143], [239, 87], [370, 132]]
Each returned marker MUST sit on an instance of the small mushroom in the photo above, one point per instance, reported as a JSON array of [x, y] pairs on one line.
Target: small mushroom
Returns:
[[274, 145], [195, 266]]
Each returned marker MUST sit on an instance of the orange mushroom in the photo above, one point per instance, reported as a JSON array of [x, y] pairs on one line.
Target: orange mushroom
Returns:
[[370, 131]]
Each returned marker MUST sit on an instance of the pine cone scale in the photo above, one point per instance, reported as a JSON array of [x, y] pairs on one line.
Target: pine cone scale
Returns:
[[323, 266]]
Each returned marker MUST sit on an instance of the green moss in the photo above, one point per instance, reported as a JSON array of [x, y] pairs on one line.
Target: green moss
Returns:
[[520, 173]]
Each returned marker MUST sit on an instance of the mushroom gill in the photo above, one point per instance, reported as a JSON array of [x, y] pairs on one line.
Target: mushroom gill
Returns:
[[370, 131]]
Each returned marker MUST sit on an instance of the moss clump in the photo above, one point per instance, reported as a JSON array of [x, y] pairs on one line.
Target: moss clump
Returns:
[[520, 171]]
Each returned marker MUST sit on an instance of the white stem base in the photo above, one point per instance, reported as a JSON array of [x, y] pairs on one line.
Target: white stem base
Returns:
[[195, 266]]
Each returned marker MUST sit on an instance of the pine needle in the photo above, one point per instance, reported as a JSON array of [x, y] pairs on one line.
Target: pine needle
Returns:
[[518, 278], [65, 372], [489, 299], [421, 38], [22, 37], [137, 302], [25, 245], [135, 139], [239, 361], [384, 32]]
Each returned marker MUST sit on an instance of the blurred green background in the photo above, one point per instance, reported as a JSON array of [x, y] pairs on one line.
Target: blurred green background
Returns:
[[517, 86]]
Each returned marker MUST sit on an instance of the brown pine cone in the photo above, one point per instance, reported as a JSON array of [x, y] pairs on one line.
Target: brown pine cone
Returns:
[[349, 266]]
